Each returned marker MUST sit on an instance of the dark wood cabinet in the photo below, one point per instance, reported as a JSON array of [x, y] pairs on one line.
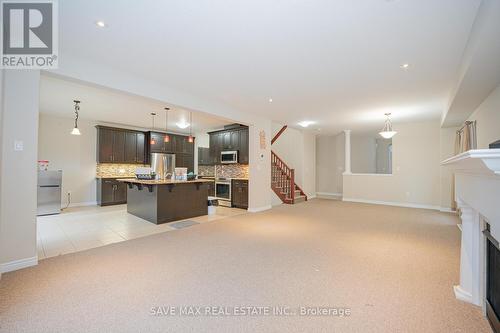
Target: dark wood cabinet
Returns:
[[239, 193], [116, 145], [204, 156], [177, 144], [111, 192], [228, 140], [211, 189]]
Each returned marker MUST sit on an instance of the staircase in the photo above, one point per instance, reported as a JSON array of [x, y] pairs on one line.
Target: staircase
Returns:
[[283, 182], [283, 179]]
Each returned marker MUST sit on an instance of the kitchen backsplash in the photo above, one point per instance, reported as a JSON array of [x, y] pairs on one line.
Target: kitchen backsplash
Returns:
[[206, 170], [104, 170], [232, 170]]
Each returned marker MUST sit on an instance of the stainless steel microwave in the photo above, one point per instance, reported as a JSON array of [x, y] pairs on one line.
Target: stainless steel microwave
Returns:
[[228, 157]]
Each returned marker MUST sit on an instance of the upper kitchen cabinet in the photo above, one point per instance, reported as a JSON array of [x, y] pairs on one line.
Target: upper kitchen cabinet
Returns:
[[229, 140], [116, 145], [204, 156]]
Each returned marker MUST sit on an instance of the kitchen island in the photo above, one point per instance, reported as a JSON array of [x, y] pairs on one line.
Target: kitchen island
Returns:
[[161, 201]]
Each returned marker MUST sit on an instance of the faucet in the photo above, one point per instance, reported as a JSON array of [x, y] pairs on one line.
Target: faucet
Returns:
[[167, 175]]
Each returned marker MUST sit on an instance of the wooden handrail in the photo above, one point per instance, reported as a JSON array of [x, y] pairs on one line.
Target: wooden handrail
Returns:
[[278, 134]]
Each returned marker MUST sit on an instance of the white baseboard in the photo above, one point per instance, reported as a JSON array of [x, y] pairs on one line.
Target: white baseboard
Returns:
[[18, 264], [311, 197], [391, 203], [82, 204], [328, 195], [462, 295], [259, 209], [447, 210]]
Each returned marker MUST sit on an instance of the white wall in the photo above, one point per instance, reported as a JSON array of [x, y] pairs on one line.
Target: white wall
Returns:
[[75, 155], [18, 169], [447, 150], [2, 71], [363, 153], [487, 116], [416, 170], [329, 165], [298, 150]]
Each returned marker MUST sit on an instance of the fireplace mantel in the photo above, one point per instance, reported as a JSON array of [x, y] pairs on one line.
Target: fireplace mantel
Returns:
[[482, 161], [477, 193]]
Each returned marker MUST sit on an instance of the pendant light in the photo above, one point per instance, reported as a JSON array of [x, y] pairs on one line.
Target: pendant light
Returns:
[[190, 138], [167, 137], [75, 130], [387, 132], [153, 141]]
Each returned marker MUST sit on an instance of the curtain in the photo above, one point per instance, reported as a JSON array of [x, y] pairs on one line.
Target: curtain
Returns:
[[465, 140]]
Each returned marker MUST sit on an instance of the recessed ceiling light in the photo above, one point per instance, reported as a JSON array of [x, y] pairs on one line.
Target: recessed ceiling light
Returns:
[[270, 100], [182, 124], [306, 123], [100, 24], [404, 66]]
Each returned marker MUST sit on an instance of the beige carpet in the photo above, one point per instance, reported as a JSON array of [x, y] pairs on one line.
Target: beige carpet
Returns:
[[394, 269]]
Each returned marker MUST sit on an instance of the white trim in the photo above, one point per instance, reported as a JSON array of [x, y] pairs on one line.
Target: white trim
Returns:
[[82, 204], [447, 210], [462, 294], [369, 174], [311, 197], [482, 161], [18, 264], [328, 195], [259, 209], [459, 226], [391, 203]]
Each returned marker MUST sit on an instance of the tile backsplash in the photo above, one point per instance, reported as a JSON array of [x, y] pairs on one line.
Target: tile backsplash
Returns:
[[232, 170], [206, 170], [109, 170]]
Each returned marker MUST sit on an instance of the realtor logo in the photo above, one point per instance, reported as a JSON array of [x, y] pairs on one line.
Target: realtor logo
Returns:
[[29, 34]]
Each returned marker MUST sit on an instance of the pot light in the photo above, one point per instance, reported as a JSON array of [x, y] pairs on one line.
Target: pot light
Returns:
[[404, 66], [387, 132], [306, 123], [270, 100], [100, 24], [182, 124]]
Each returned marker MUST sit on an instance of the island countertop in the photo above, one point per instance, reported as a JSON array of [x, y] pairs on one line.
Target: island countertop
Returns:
[[162, 182]]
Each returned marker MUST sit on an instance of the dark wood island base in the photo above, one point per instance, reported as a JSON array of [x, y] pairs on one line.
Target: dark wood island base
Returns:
[[166, 201]]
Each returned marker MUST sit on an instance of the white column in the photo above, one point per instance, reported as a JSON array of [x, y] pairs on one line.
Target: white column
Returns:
[[347, 140], [469, 289]]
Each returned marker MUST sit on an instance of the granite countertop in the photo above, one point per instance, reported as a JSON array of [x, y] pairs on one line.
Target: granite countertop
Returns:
[[161, 182], [239, 178], [114, 177]]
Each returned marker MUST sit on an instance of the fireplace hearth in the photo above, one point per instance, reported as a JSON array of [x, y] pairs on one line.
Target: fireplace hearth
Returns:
[[492, 281]]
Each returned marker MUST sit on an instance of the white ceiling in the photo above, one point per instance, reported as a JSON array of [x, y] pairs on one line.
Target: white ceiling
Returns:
[[333, 62], [109, 106]]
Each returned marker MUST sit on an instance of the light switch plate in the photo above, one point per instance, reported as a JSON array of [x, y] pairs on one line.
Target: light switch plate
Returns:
[[18, 145]]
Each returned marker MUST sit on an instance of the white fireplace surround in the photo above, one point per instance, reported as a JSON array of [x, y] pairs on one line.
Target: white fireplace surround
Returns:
[[477, 193]]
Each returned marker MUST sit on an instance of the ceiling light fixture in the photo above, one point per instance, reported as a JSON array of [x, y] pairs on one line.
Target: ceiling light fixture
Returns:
[[270, 100], [387, 132], [100, 24], [306, 123], [167, 137], [182, 124], [404, 66], [153, 115], [190, 138], [75, 130]]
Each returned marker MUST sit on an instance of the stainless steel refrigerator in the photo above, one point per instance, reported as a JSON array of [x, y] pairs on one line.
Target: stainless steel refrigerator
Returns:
[[163, 165], [49, 192]]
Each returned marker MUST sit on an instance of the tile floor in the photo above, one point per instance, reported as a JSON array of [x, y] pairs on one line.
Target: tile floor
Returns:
[[82, 228]]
